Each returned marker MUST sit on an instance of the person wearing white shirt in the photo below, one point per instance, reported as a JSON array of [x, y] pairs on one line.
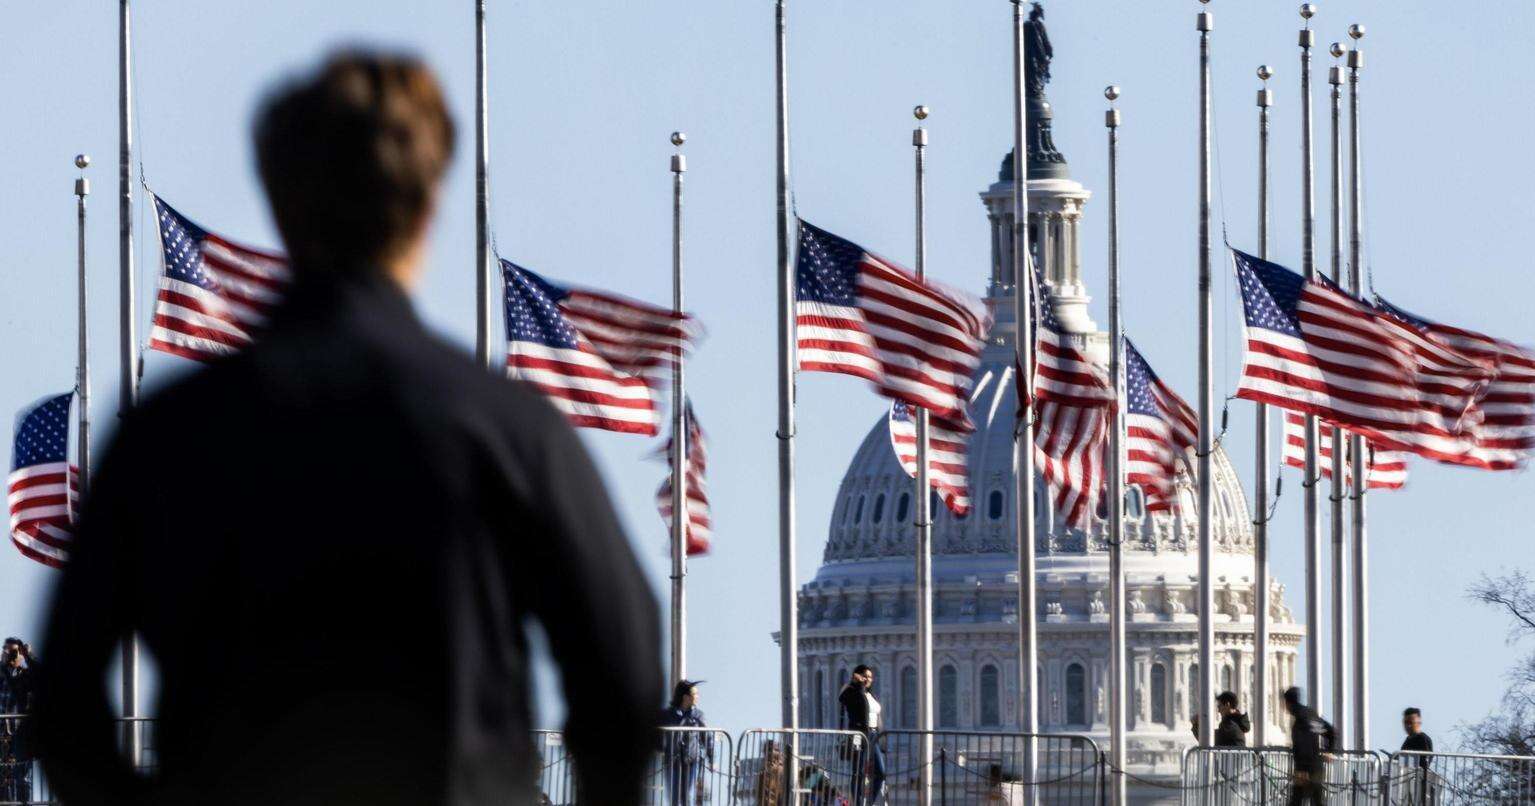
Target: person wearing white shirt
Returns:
[[861, 712]]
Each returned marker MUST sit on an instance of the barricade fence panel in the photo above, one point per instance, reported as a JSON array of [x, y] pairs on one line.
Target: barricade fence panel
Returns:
[[1225, 776], [794, 767], [1451, 779], [22, 782], [692, 766], [991, 768]]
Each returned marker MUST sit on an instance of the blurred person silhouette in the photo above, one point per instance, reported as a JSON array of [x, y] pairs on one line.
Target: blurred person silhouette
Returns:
[[1311, 738], [17, 673], [686, 752], [333, 542]]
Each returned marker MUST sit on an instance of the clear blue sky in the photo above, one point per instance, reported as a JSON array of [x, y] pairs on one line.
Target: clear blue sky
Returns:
[[583, 97]]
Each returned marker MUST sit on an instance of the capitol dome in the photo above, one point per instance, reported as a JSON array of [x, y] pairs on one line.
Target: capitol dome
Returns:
[[860, 607]]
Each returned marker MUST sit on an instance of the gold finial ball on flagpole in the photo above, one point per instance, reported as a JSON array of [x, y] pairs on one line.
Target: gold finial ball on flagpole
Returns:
[[1265, 72], [678, 138], [1111, 92], [1338, 49], [920, 112], [1356, 31], [82, 161], [1307, 10]]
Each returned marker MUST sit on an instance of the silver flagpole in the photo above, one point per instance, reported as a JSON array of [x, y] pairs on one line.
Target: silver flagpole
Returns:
[[1339, 486], [1260, 703], [788, 605], [924, 519], [681, 517], [82, 360], [482, 256], [1023, 435], [1361, 555], [1313, 536], [1116, 491], [128, 344], [1205, 23]]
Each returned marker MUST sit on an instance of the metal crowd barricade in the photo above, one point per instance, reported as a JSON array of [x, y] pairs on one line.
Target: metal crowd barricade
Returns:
[[993, 768], [22, 782], [693, 766], [1226, 776], [799, 767], [1451, 779], [1353, 777], [556, 769]]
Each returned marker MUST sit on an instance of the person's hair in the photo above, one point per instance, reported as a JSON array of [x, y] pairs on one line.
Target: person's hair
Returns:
[[351, 157], [682, 689], [861, 668], [1227, 698], [1411, 712]]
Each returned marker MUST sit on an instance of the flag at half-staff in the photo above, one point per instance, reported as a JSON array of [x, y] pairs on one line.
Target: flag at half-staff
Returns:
[[859, 314], [214, 295], [947, 454], [43, 483], [1159, 428], [699, 528], [1385, 470], [1503, 423], [591, 353], [1314, 349], [1072, 402]]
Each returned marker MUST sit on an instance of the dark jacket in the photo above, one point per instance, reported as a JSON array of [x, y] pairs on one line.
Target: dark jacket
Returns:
[[855, 708], [685, 745], [1310, 737], [1231, 732], [332, 544]]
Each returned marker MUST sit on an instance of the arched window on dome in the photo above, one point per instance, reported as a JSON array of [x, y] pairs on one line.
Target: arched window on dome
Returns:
[[858, 513], [1159, 693], [991, 697], [948, 697], [909, 697], [994, 505], [902, 507], [879, 507], [1076, 695]]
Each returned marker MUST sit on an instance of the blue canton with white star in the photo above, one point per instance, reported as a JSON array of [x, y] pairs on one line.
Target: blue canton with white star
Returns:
[[42, 434], [1270, 294], [532, 309], [182, 242], [1138, 381], [826, 269]]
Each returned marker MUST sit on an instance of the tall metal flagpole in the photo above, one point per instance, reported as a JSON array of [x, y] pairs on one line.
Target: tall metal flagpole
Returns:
[[924, 525], [1260, 702], [1205, 23], [1116, 492], [82, 359], [681, 517], [1339, 484], [1023, 433], [482, 255], [1361, 555], [788, 606], [128, 345], [1313, 537]]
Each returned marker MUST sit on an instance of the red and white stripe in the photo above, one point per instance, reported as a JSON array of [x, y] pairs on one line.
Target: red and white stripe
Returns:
[[947, 454], [585, 387], [1069, 444], [1153, 444], [202, 324], [43, 500], [700, 526], [1387, 470], [634, 337]]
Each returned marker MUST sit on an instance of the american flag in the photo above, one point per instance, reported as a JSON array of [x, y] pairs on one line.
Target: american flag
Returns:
[[589, 352], [1312, 348], [43, 484], [1159, 428], [1503, 423], [1073, 398], [214, 294], [1386, 470], [859, 314], [700, 527], [947, 457]]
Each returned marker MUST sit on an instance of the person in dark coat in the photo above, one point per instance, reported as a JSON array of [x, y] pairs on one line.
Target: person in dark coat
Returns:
[[17, 670], [684, 753], [861, 712], [1311, 737], [334, 541], [1234, 725]]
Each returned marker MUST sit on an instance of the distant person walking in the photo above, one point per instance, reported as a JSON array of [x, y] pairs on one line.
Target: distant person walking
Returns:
[[333, 542], [1311, 737], [1234, 725], [17, 673], [1418, 742], [684, 753], [861, 712]]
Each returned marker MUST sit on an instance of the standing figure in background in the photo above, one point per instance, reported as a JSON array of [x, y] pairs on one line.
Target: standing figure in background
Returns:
[[16, 673], [1234, 725], [861, 712], [1311, 737], [684, 752]]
